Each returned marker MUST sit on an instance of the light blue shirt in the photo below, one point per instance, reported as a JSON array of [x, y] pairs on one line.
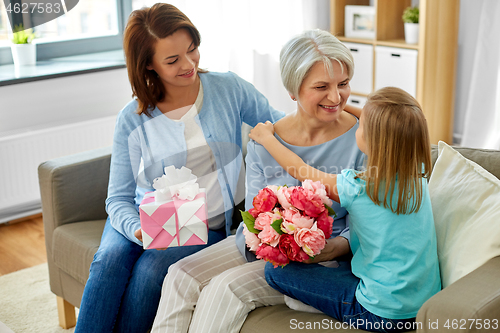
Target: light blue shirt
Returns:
[[395, 256], [143, 146], [331, 157]]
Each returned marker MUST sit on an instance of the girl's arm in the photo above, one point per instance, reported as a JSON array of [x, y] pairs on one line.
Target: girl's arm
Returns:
[[291, 162], [353, 110]]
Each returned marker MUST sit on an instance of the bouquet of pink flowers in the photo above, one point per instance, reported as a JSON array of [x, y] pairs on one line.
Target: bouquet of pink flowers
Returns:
[[288, 223]]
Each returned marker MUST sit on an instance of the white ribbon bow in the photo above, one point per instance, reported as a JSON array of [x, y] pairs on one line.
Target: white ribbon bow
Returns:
[[180, 183]]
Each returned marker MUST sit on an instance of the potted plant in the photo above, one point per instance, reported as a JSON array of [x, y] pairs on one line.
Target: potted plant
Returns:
[[23, 50], [410, 19]]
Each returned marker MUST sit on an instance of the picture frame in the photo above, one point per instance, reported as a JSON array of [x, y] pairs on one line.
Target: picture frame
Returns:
[[360, 22]]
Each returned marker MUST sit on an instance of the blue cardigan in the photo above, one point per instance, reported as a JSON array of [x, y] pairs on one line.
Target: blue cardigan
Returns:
[[143, 146]]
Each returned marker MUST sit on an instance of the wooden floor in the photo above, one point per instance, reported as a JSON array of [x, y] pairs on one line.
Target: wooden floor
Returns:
[[22, 244]]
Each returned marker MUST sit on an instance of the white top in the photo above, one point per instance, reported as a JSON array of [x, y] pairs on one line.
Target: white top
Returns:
[[200, 159]]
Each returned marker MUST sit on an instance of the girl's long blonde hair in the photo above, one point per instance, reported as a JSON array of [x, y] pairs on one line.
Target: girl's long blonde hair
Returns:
[[399, 152]]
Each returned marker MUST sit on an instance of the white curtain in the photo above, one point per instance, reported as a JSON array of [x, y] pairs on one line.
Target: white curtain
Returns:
[[478, 74], [246, 36]]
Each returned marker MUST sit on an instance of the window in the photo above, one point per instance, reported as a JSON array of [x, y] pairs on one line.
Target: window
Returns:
[[89, 18], [91, 26], [3, 23]]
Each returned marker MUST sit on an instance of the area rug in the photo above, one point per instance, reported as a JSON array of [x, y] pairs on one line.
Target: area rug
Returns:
[[26, 303]]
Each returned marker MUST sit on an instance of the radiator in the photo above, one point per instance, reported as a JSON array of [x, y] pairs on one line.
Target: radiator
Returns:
[[20, 155]]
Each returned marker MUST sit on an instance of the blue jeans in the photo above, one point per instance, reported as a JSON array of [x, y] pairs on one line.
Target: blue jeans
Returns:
[[332, 291], [124, 285]]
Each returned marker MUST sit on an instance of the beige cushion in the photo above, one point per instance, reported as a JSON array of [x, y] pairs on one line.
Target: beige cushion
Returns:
[[466, 205], [476, 296], [74, 246]]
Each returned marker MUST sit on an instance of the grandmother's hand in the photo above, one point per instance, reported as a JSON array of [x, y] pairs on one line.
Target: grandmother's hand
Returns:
[[334, 248], [261, 132]]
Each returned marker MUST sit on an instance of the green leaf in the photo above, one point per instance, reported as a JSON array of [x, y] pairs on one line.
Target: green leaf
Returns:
[[277, 226], [330, 211], [411, 15], [22, 36], [249, 221]]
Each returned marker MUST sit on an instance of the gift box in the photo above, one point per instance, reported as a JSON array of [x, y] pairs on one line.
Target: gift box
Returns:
[[175, 214]]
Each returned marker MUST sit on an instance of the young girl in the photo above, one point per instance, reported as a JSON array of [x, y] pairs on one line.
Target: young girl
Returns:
[[394, 268]]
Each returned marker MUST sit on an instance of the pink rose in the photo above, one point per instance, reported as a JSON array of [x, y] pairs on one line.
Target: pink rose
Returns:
[[277, 214], [272, 254], [251, 239], [319, 189], [284, 196], [312, 241], [263, 220], [273, 188], [307, 201], [288, 227], [325, 223], [269, 235], [289, 247], [294, 216], [254, 212], [265, 200]]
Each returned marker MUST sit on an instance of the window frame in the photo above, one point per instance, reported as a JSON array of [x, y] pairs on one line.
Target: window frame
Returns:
[[79, 46]]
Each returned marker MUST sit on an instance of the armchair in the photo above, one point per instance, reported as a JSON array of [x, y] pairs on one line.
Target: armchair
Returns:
[[73, 190]]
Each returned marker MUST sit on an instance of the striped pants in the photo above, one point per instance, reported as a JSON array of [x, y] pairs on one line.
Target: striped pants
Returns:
[[213, 290]]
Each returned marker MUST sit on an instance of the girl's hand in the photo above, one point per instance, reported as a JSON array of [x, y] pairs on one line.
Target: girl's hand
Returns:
[[261, 132]]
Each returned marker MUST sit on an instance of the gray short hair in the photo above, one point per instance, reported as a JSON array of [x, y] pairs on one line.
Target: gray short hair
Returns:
[[301, 52]]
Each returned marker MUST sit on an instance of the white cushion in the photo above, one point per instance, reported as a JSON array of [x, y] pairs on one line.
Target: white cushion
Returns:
[[466, 206], [5, 329], [297, 305]]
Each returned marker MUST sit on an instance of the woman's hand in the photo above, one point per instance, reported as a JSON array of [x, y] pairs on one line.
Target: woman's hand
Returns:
[[138, 234], [335, 247], [261, 132]]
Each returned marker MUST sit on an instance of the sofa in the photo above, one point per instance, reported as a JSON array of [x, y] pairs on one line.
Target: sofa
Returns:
[[73, 191]]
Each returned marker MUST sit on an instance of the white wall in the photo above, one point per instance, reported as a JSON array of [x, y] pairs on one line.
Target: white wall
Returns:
[[470, 14], [45, 103], [32, 112]]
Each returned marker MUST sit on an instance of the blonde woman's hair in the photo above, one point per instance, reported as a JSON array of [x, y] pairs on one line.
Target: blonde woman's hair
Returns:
[[399, 152]]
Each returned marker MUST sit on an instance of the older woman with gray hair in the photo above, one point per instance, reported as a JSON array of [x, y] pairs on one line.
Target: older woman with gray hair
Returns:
[[214, 290]]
